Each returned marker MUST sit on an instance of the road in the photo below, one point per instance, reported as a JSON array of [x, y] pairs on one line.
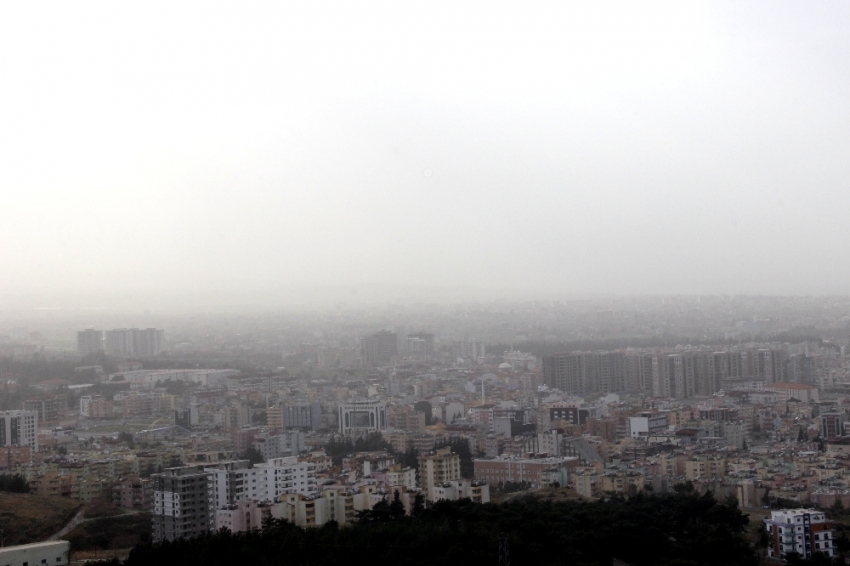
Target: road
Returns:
[[78, 518]]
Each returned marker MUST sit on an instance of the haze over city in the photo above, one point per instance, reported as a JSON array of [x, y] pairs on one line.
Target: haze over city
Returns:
[[192, 155]]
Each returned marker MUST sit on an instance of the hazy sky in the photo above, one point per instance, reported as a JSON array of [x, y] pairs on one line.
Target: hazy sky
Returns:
[[245, 149]]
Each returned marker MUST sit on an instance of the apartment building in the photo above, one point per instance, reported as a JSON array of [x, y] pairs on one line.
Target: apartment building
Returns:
[[437, 468], [531, 470], [233, 481], [705, 468], [476, 490], [379, 348], [134, 341], [181, 503], [804, 531], [19, 428], [89, 341], [286, 475], [49, 410]]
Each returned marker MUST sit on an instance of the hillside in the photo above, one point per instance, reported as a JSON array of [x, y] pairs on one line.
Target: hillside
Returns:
[[26, 517]]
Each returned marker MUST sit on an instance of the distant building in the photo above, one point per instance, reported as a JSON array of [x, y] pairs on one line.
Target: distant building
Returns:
[[181, 503], [469, 350], [437, 468], [799, 391], [132, 492], [89, 342], [497, 471], [134, 342], [804, 531], [49, 410], [306, 416], [19, 428], [647, 424], [832, 425], [379, 348], [358, 418], [420, 344], [477, 491]]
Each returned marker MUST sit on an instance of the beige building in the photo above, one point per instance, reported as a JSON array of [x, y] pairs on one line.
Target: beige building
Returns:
[[586, 483], [437, 468], [623, 482], [705, 468]]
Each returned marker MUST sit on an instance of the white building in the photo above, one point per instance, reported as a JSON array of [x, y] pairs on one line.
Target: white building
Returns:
[[19, 428], [647, 424], [478, 491], [52, 553], [286, 475], [804, 531], [233, 481]]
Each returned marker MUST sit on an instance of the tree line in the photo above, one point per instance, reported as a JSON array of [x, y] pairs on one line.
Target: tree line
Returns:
[[644, 530]]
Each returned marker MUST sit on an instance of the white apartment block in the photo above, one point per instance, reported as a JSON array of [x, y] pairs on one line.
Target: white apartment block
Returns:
[[233, 481], [19, 428], [804, 531], [286, 475]]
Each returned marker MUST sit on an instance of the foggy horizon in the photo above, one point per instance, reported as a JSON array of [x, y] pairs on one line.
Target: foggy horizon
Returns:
[[189, 157]]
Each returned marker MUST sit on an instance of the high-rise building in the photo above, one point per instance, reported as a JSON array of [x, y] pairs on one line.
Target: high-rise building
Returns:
[[304, 415], [89, 342], [420, 344], [19, 428], [134, 342], [229, 482], [379, 348], [182, 506], [470, 350]]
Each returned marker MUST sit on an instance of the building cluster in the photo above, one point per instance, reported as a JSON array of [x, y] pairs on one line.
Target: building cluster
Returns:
[[305, 489], [430, 420], [682, 372], [121, 342]]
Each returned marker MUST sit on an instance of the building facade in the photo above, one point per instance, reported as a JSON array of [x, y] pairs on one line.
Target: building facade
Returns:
[[19, 428], [804, 531], [89, 341], [437, 468], [182, 507], [358, 418]]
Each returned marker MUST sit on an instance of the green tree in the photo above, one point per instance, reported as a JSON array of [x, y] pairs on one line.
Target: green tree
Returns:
[[460, 446], [252, 455]]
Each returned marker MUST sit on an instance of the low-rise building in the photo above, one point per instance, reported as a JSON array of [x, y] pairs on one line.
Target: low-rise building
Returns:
[[52, 553], [477, 491]]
